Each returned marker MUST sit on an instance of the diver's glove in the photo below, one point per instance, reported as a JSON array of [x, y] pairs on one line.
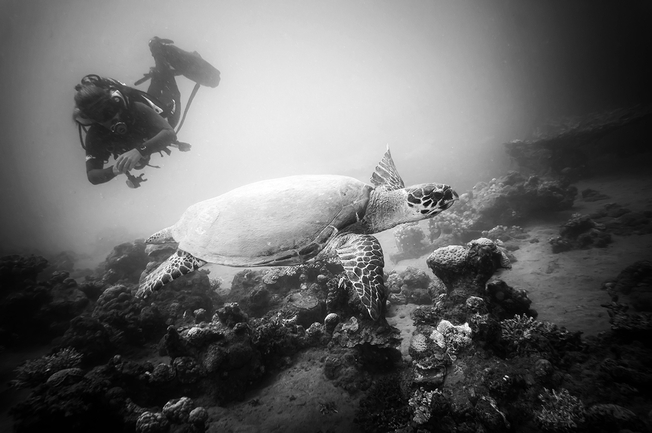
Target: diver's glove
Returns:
[[182, 146]]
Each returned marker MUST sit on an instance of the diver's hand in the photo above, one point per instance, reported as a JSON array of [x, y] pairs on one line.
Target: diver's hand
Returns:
[[127, 161]]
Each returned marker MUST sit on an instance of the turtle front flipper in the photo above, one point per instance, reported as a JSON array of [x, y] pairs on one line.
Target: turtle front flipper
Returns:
[[178, 264], [362, 259]]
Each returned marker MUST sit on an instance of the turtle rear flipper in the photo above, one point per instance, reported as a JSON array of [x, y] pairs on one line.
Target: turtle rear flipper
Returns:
[[362, 259], [178, 264]]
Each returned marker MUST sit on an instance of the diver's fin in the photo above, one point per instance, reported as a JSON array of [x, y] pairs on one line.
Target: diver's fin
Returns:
[[190, 65]]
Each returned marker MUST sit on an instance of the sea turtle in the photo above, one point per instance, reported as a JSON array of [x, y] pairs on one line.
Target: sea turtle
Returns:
[[288, 221]]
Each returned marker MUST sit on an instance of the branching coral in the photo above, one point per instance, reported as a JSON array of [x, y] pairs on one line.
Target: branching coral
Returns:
[[561, 412], [520, 333], [525, 335]]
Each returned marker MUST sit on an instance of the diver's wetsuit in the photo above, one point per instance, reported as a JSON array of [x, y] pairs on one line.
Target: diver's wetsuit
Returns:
[[143, 123]]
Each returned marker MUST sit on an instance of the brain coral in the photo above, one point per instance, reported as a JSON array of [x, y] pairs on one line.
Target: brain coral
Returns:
[[481, 241], [451, 257]]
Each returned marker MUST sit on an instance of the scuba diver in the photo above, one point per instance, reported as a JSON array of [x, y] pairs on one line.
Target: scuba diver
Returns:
[[130, 124]]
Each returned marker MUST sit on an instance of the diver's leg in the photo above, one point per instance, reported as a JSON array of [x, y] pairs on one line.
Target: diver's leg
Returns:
[[189, 64], [164, 88], [163, 85]]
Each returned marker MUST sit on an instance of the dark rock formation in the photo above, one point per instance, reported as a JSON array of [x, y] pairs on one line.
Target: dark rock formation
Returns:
[[622, 221], [31, 310], [410, 286], [509, 200], [631, 288], [467, 268], [574, 148], [125, 263], [580, 232]]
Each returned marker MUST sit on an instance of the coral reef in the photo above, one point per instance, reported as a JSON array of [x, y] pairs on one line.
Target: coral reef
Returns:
[[19, 270], [421, 405], [560, 411], [410, 243], [125, 263], [108, 398], [384, 407], [524, 335], [411, 285], [38, 371], [508, 200], [223, 360], [477, 360], [310, 290], [33, 310], [129, 322], [493, 209], [506, 302]]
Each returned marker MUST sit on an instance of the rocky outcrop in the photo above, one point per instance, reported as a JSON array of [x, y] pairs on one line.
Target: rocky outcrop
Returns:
[[570, 147], [31, 310]]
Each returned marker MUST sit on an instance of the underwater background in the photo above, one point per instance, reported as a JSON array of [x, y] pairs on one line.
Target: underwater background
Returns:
[[307, 88], [536, 113]]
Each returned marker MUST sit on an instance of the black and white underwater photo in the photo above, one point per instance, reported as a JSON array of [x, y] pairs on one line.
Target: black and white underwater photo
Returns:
[[343, 216]]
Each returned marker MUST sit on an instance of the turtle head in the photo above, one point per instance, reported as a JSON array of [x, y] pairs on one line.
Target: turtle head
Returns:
[[429, 199], [388, 209]]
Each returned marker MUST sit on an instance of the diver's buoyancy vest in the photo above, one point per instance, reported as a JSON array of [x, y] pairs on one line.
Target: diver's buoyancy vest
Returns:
[[129, 94]]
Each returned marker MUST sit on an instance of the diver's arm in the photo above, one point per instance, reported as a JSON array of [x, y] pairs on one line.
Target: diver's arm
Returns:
[[96, 172], [163, 138]]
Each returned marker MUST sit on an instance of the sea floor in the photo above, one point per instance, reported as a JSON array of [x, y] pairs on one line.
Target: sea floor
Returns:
[[565, 289]]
